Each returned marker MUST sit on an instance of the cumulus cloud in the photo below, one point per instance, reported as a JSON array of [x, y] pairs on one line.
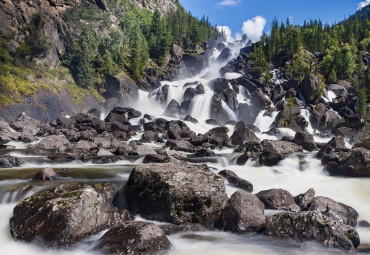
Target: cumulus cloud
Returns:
[[229, 3], [254, 28], [363, 4]]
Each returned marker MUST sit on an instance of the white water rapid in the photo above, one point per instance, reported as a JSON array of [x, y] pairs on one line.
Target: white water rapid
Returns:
[[296, 174]]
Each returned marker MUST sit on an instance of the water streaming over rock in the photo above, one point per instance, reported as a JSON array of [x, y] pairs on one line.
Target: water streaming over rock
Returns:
[[297, 174]]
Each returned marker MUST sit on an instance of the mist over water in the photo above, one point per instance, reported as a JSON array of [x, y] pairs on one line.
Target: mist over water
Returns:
[[296, 174]]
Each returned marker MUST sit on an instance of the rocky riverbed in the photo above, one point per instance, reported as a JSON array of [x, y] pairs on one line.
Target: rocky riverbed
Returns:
[[197, 166]]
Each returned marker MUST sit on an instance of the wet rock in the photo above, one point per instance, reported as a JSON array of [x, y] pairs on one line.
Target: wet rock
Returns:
[[189, 94], [156, 158], [176, 193], [316, 115], [95, 112], [218, 136], [247, 113], [305, 199], [278, 199], [191, 119], [7, 136], [218, 112], [250, 147], [173, 108], [242, 160], [171, 229], [54, 142], [363, 224], [335, 144], [149, 136], [334, 210], [104, 153], [27, 138], [85, 148], [46, 173], [26, 124], [180, 145], [213, 122], [277, 93], [141, 150], [65, 214], [308, 88], [274, 151], [205, 152], [260, 100], [329, 120], [236, 181], [224, 55], [357, 164], [244, 213], [10, 161], [242, 134], [120, 114], [305, 140], [312, 226], [135, 237], [220, 46]]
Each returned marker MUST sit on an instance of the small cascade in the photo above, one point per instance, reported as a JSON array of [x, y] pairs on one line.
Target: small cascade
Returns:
[[306, 114], [229, 111], [264, 122]]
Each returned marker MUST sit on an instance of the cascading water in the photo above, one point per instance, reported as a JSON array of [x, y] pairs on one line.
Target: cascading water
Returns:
[[296, 173]]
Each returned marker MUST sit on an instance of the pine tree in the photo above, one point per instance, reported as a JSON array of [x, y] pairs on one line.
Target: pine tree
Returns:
[[362, 103], [332, 78]]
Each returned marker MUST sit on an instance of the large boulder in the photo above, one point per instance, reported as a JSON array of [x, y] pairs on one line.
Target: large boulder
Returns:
[[312, 226], [46, 173], [53, 142], [10, 161], [243, 214], [224, 55], [334, 210], [67, 213], [274, 151], [176, 193], [173, 108], [356, 165], [218, 136], [26, 124], [306, 140], [242, 134], [335, 144], [278, 199], [134, 238], [308, 88], [122, 114]]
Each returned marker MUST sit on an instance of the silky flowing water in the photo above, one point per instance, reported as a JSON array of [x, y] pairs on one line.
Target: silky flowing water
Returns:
[[296, 174]]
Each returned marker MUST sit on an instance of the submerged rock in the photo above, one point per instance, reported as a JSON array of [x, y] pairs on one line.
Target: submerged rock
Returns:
[[135, 237], [176, 193], [67, 213], [312, 226]]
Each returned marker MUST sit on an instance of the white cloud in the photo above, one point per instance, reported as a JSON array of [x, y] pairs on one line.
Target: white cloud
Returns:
[[229, 3], [254, 28], [227, 33], [363, 4]]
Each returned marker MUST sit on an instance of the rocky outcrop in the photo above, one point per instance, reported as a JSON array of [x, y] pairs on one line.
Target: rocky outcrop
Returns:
[[176, 193], [121, 87], [243, 214], [312, 226], [135, 237], [67, 213]]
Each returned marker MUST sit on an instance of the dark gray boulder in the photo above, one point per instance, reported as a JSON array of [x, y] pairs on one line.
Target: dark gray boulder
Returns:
[[274, 151], [176, 192], [244, 213], [334, 210], [10, 161], [67, 213], [278, 199], [236, 181], [312, 226], [137, 237], [306, 140], [242, 134], [305, 199]]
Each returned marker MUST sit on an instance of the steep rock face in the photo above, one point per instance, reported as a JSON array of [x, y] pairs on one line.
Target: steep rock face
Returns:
[[164, 6]]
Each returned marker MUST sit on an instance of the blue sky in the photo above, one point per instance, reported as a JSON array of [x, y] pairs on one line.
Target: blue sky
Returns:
[[233, 13]]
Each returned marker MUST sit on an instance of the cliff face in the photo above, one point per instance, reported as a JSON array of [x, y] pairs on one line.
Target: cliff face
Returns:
[[16, 14]]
